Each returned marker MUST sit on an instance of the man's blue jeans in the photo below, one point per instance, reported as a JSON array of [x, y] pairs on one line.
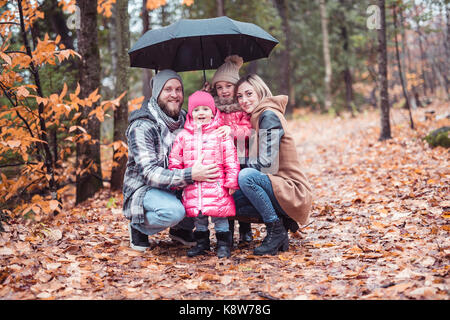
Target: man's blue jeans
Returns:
[[256, 196], [163, 210]]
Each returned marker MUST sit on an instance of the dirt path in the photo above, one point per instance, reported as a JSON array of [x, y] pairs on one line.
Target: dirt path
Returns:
[[379, 230]]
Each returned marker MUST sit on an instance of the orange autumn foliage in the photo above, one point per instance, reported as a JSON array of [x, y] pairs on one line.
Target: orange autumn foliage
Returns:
[[155, 4], [36, 168]]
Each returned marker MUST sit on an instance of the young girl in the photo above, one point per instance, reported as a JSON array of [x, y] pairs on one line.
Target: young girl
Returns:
[[222, 88], [199, 140]]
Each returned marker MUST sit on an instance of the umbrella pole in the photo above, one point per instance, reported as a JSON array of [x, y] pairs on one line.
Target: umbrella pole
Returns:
[[203, 60]]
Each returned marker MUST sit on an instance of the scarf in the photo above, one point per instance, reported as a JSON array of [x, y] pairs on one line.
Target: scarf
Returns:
[[226, 105], [171, 124]]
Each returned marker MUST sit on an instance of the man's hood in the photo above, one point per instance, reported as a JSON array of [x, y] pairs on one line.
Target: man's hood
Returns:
[[142, 113]]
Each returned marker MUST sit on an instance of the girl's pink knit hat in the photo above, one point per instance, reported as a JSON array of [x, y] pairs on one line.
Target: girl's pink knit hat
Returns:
[[201, 98]]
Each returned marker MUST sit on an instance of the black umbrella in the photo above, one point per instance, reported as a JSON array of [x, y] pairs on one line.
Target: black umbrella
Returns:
[[200, 44]]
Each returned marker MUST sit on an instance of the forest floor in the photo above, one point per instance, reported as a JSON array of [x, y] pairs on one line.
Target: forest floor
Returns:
[[379, 230]]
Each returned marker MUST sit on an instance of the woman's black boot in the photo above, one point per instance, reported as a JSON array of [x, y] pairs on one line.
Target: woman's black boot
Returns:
[[223, 244], [290, 224], [276, 239], [202, 246]]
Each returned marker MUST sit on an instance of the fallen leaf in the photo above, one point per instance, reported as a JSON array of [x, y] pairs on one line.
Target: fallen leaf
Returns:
[[52, 266], [226, 280], [191, 284], [210, 277], [426, 292], [5, 251], [44, 295]]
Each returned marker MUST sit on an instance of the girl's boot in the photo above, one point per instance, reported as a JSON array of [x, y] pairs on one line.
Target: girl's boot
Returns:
[[276, 239], [202, 246]]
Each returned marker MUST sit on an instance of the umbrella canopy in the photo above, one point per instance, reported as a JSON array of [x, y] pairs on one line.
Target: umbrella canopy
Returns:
[[200, 44]]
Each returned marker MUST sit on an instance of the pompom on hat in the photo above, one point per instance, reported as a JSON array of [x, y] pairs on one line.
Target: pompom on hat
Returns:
[[229, 71], [201, 98]]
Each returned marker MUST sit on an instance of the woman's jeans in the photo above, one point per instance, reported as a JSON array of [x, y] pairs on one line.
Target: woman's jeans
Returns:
[[163, 210], [256, 192], [220, 224]]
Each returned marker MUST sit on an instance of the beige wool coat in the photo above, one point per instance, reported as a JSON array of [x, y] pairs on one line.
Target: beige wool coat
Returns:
[[290, 185]]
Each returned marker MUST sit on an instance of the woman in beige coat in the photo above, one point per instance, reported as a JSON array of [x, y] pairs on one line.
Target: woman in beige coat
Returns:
[[272, 181]]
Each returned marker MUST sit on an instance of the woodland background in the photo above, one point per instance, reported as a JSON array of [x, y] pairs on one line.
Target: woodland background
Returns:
[[362, 101]]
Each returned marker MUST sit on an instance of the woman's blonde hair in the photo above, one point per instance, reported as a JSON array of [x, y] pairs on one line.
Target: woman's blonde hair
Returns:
[[261, 88]]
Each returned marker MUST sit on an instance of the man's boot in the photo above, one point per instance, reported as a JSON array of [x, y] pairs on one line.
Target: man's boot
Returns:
[[202, 245], [223, 244], [185, 237], [276, 239], [138, 240], [245, 232], [231, 224]]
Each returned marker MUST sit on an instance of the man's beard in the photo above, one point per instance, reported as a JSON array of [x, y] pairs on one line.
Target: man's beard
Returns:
[[169, 111]]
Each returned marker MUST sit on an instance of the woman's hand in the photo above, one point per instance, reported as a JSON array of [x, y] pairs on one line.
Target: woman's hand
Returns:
[[223, 131], [231, 191]]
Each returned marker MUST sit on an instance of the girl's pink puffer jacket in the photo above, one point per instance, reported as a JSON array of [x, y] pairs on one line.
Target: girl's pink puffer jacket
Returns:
[[239, 121], [211, 198]]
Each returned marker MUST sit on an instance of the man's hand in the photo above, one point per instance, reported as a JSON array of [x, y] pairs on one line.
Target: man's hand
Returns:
[[223, 131], [202, 172]]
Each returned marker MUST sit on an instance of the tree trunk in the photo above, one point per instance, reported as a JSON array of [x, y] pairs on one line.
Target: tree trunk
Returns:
[[55, 16], [44, 144], [253, 67], [349, 90], [400, 72], [422, 64], [146, 73], [422, 56], [326, 53], [164, 16], [220, 7], [447, 49], [407, 62], [121, 113], [347, 73], [282, 9], [89, 174], [383, 75]]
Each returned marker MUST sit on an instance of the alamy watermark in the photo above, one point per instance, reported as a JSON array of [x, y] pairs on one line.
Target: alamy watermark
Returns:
[[74, 20], [374, 18], [261, 148]]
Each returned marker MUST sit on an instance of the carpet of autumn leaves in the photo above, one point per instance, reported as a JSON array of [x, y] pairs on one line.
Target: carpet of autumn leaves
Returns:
[[379, 230]]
